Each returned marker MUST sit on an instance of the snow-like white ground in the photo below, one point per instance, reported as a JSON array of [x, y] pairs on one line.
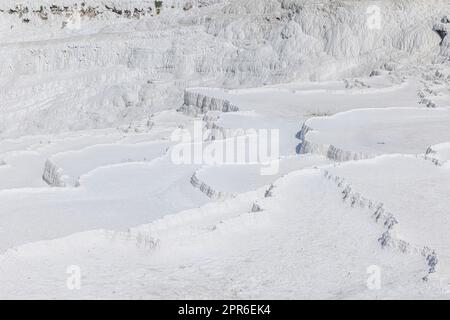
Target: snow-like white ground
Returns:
[[418, 201], [228, 178], [303, 245], [72, 165], [280, 102], [382, 131], [92, 96]]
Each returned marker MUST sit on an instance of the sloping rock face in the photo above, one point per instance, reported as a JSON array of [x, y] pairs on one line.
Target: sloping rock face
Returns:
[[53, 175], [196, 103]]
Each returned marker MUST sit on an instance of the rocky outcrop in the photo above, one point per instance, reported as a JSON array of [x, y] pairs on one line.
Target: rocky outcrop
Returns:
[[381, 215], [441, 30], [340, 155], [130, 10], [256, 207], [430, 154], [438, 154], [53, 175], [44, 12], [196, 103], [216, 132], [208, 190]]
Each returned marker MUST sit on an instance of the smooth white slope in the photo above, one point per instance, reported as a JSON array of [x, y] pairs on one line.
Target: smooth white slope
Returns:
[[236, 179], [382, 131], [72, 165], [280, 102], [306, 243], [416, 192], [115, 197]]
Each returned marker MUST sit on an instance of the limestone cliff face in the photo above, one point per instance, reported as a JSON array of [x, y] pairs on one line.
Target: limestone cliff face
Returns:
[[111, 62], [53, 175], [197, 103]]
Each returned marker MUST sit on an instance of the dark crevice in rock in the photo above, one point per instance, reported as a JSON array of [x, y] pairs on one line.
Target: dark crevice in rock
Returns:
[[441, 31]]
